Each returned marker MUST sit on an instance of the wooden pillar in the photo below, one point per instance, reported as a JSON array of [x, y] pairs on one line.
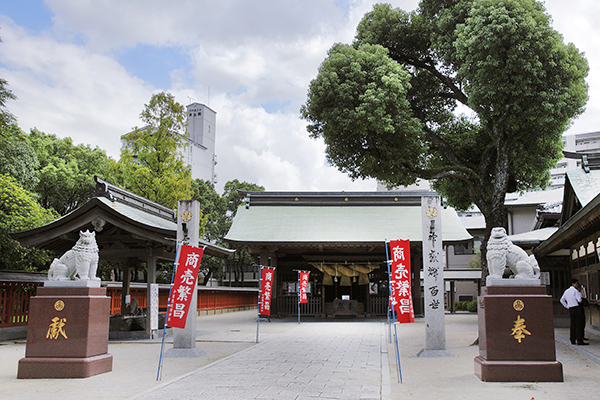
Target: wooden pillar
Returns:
[[126, 284]]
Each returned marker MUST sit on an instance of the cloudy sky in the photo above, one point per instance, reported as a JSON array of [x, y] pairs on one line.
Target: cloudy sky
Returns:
[[85, 69]]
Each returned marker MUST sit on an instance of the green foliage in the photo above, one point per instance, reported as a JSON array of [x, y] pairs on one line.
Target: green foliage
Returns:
[[358, 105], [219, 212], [233, 198], [66, 172], [151, 165], [19, 210], [17, 158], [470, 306], [475, 261], [6, 118], [386, 106], [214, 210]]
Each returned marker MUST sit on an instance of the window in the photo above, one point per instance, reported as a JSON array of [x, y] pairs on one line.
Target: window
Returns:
[[468, 249], [464, 249]]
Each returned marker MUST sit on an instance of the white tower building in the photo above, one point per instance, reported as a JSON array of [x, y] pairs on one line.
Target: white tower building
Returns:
[[199, 154]]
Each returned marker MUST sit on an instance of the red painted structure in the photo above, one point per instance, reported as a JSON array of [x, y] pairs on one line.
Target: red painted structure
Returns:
[[14, 299]]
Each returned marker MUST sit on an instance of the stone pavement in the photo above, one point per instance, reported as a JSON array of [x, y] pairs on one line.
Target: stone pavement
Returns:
[[331, 359]]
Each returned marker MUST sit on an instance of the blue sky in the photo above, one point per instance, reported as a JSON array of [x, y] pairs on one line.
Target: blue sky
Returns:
[[85, 69], [30, 14]]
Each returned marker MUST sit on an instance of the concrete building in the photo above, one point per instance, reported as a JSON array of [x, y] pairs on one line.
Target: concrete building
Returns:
[[574, 145], [199, 151], [199, 154]]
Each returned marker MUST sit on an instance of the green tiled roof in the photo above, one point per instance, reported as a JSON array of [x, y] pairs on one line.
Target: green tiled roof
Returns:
[[337, 224], [586, 185]]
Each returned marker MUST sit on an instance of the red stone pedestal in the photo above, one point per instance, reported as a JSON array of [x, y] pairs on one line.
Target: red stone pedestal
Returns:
[[67, 334], [510, 313]]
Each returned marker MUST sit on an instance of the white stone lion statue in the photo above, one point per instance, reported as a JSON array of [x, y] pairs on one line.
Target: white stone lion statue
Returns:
[[79, 263], [501, 253]]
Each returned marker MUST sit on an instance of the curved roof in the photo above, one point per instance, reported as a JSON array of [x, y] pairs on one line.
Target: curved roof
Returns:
[[125, 227], [342, 221]]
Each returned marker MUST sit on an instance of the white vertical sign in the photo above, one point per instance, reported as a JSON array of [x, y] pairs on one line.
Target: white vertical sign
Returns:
[[154, 306], [433, 273]]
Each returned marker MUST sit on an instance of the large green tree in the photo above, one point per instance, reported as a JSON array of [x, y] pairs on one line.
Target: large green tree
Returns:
[[6, 118], [17, 157], [66, 171], [19, 210], [473, 95], [151, 165]]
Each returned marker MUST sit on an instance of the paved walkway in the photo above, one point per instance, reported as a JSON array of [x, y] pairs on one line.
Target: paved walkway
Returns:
[[313, 360], [336, 360]]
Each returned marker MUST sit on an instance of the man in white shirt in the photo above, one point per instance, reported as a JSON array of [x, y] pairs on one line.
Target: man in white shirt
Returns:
[[571, 299]]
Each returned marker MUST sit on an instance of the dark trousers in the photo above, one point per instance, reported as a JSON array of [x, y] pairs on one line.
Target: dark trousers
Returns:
[[577, 324]]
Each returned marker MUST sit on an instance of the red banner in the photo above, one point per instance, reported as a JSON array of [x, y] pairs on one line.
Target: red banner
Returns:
[[184, 284], [400, 281], [266, 287], [302, 284]]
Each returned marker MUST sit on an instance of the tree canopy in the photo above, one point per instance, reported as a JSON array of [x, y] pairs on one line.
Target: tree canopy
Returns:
[[18, 159], [6, 118], [19, 210], [219, 212], [66, 171], [473, 95], [151, 164]]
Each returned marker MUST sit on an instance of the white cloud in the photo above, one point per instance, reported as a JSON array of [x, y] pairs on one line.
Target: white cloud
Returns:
[[64, 89], [576, 21], [256, 58]]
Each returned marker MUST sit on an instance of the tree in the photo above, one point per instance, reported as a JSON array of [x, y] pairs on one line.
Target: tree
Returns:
[[387, 105], [19, 210], [151, 165], [6, 118], [65, 171], [17, 158], [214, 210], [219, 212], [234, 199]]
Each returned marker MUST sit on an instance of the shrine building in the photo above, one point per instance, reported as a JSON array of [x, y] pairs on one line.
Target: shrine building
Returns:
[[340, 238]]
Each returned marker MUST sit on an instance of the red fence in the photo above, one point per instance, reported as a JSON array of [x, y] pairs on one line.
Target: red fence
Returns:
[[14, 300], [208, 298], [14, 303]]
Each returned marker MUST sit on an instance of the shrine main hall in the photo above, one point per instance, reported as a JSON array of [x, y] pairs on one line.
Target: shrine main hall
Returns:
[[340, 238]]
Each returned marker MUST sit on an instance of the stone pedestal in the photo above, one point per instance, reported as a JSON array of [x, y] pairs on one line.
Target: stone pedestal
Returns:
[[67, 334], [516, 335]]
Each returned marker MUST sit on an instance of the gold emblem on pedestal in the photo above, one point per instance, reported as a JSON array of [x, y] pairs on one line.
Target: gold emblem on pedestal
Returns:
[[59, 305], [518, 305]]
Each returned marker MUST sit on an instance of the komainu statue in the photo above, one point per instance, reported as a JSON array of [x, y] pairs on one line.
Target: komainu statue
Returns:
[[501, 253], [79, 263]]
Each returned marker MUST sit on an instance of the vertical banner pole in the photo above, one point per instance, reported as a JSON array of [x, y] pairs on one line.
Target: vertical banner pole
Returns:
[[388, 262], [162, 344], [298, 297], [258, 308]]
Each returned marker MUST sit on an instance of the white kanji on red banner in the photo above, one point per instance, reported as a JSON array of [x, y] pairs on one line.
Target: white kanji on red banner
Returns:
[[266, 288], [302, 285], [184, 284], [401, 297]]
